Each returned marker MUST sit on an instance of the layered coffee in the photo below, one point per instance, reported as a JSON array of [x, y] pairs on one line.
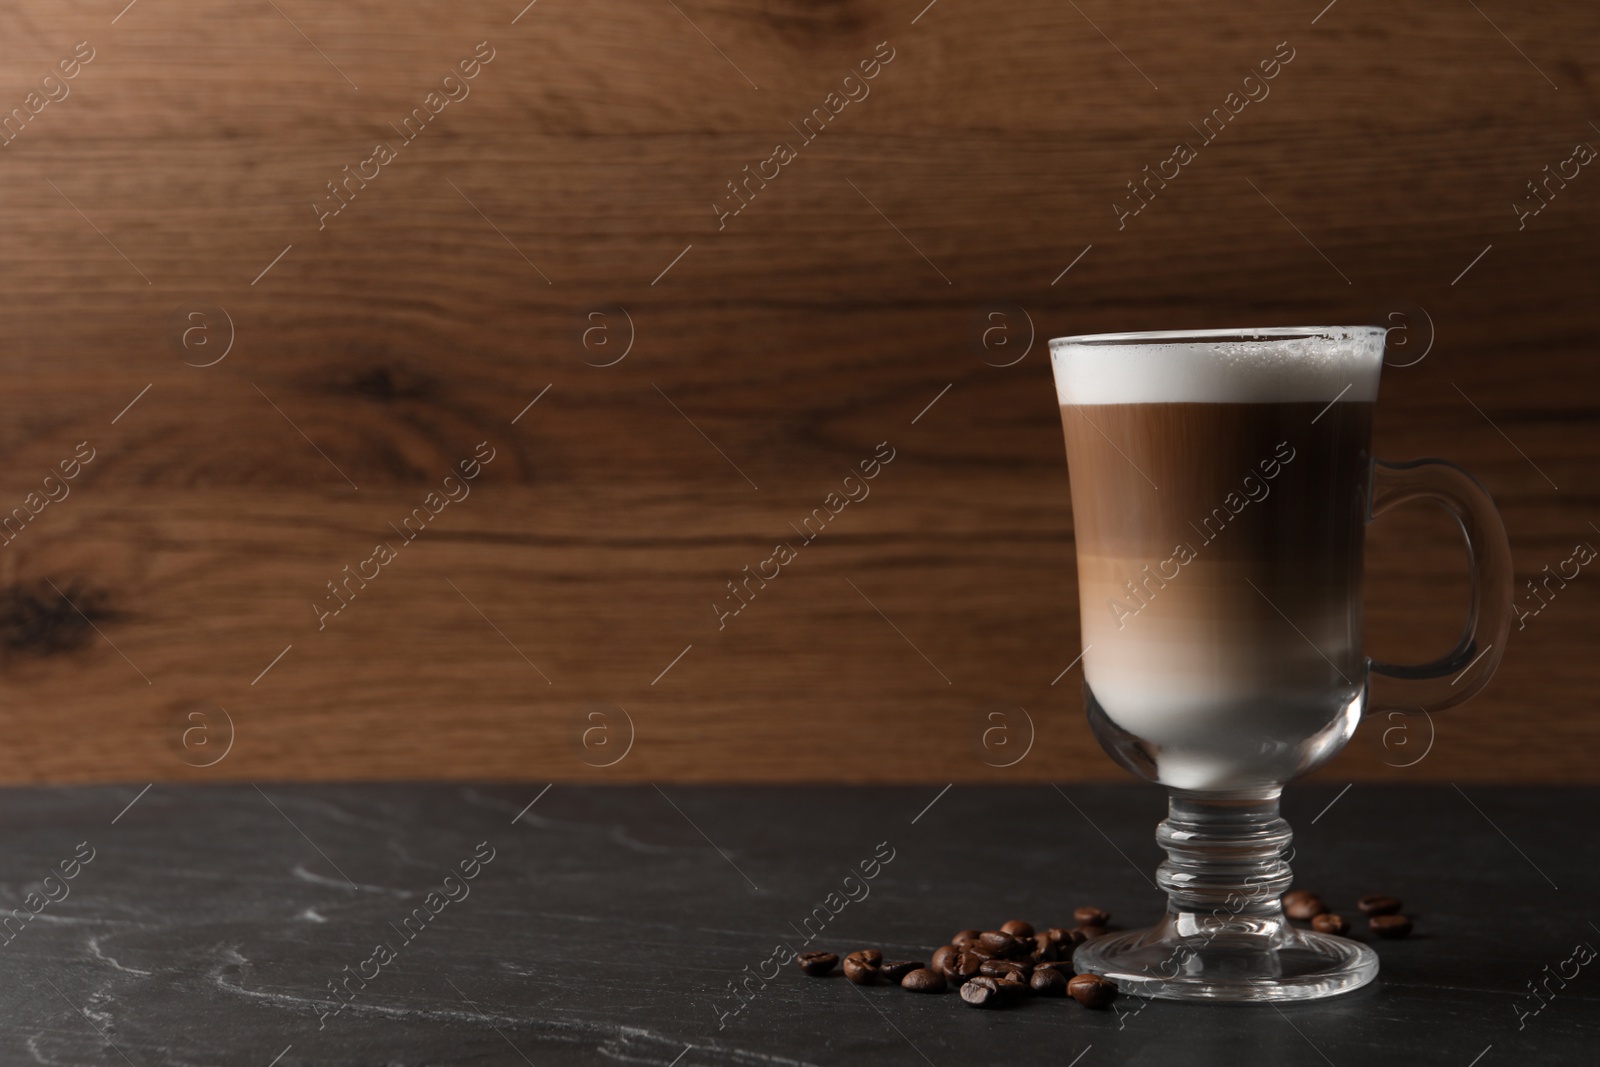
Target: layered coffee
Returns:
[[1219, 497]]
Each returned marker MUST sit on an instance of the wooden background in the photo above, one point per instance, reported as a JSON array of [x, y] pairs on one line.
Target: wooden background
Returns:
[[454, 289]]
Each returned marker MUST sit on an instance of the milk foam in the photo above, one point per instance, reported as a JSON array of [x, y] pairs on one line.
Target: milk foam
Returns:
[[1318, 363]]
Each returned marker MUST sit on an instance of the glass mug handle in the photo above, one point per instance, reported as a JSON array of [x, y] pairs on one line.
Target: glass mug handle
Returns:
[[1465, 669]]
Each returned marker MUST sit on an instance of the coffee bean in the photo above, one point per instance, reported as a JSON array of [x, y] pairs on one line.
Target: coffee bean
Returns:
[[1005, 968], [967, 965], [1017, 928], [997, 944], [816, 964], [1092, 991], [961, 939], [923, 980], [1329, 923], [1048, 983], [1090, 916], [1043, 949], [1013, 988], [1089, 933], [944, 960], [1390, 926], [981, 993], [1377, 904], [895, 970], [862, 967], [1069, 940], [1303, 905], [992, 968], [1063, 968]]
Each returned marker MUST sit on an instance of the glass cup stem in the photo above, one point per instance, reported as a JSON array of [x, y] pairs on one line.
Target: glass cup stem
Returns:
[[1225, 869], [1225, 936]]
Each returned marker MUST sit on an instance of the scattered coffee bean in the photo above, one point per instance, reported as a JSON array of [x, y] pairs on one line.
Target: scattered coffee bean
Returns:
[[997, 967], [1005, 969], [1329, 923], [1391, 926], [1013, 988], [993, 968], [816, 964], [981, 993], [1377, 904], [996, 943], [1017, 928], [863, 967], [1092, 991], [894, 970], [1303, 905], [1048, 983]]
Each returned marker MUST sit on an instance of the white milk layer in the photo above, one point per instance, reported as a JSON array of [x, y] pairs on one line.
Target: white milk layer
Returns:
[[1318, 363], [1223, 691]]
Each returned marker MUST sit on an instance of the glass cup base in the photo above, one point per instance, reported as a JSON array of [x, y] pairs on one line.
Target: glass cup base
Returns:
[[1283, 965]]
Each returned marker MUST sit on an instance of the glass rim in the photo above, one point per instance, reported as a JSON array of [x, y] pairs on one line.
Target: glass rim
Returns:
[[1266, 333]]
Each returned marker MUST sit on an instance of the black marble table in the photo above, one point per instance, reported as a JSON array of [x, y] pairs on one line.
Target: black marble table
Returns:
[[243, 925]]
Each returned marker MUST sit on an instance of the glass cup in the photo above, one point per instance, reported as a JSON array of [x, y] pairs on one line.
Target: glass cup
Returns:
[[1221, 486]]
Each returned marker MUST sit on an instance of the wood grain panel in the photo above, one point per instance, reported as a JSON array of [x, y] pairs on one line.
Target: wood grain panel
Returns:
[[764, 360]]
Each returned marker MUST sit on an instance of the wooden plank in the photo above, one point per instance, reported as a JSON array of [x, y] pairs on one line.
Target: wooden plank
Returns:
[[372, 355]]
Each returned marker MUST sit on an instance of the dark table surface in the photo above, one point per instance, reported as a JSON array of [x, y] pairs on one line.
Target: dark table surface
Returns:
[[211, 922]]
